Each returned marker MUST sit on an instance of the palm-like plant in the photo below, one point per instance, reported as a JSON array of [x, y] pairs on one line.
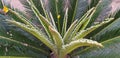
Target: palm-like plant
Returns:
[[65, 31]]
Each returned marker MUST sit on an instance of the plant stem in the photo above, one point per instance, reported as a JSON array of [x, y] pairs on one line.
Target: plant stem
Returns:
[[58, 16], [59, 25]]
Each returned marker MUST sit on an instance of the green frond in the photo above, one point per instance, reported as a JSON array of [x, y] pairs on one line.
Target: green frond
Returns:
[[45, 23], [80, 22], [56, 37], [43, 7], [87, 20], [52, 20], [101, 5], [83, 33], [79, 43], [110, 31], [69, 31], [75, 9], [20, 18], [34, 32], [110, 50], [24, 44], [64, 28]]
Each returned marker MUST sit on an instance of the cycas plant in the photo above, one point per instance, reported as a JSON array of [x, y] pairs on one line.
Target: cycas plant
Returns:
[[66, 32]]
